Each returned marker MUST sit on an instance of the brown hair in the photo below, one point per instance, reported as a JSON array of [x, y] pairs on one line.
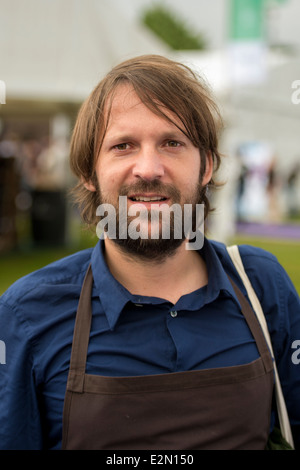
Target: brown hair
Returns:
[[159, 82]]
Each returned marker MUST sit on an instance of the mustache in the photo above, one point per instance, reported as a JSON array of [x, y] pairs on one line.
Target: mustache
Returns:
[[144, 186]]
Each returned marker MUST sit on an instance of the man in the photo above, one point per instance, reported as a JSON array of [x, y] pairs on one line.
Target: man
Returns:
[[165, 353]]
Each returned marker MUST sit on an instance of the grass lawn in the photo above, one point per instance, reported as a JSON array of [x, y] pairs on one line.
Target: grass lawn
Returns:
[[27, 259], [286, 251], [17, 264]]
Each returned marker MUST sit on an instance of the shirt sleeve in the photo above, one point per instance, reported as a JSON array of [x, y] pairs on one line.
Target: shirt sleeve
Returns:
[[287, 351], [281, 305], [19, 412]]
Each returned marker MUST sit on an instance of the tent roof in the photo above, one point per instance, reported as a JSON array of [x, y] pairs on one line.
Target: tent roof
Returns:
[[60, 49]]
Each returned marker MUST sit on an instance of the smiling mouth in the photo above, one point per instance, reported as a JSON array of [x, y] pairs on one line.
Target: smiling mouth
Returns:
[[147, 198]]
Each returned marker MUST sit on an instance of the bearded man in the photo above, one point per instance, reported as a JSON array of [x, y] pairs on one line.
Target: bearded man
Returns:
[[147, 342]]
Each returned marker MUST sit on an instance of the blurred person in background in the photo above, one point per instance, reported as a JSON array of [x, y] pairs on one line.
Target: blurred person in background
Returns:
[[9, 188], [293, 191], [166, 352]]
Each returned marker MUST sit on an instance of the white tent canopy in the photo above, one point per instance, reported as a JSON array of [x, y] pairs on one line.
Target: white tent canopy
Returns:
[[60, 49]]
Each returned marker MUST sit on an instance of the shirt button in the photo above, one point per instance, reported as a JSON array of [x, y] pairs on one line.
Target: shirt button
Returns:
[[173, 313]]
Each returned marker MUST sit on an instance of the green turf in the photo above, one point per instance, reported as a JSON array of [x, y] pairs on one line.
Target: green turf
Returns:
[[27, 259], [286, 251]]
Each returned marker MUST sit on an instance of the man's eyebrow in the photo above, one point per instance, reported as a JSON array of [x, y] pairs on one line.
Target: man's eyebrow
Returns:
[[173, 135], [127, 137], [117, 138]]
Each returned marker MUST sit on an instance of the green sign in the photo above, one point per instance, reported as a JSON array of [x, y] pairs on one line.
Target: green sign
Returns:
[[247, 19]]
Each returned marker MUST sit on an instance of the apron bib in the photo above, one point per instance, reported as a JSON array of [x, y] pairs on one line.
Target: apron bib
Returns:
[[221, 408]]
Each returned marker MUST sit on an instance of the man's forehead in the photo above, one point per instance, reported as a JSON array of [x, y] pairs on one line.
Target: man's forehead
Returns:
[[124, 97]]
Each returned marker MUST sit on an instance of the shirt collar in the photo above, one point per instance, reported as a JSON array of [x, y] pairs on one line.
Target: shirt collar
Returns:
[[218, 282], [217, 277], [113, 296]]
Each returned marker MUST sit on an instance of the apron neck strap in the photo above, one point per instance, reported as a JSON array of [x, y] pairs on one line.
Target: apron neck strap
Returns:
[[254, 327], [81, 334]]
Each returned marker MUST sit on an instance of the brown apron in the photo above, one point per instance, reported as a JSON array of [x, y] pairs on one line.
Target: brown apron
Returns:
[[222, 408]]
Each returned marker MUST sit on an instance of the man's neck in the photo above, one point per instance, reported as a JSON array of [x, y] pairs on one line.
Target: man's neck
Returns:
[[177, 275]]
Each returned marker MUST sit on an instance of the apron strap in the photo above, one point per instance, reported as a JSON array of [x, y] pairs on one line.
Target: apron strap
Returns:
[[81, 335], [254, 327]]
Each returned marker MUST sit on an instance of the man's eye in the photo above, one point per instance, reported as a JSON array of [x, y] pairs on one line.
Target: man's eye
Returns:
[[123, 146], [173, 143]]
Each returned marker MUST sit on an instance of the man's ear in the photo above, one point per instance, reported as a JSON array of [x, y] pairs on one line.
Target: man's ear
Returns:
[[208, 170], [89, 185]]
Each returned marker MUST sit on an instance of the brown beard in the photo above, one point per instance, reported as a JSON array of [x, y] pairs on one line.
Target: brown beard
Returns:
[[154, 249]]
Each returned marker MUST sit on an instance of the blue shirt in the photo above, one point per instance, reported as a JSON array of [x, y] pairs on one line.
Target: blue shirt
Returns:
[[132, 335]]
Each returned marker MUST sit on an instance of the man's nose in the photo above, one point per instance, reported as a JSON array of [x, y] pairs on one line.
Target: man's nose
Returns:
[[148, 164]]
